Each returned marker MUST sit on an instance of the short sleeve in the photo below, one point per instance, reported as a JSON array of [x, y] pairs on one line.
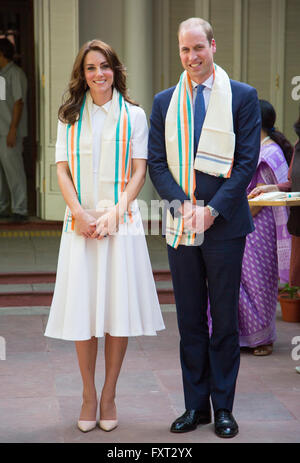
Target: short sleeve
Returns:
[[18, 85], [61, 143], [2, 88], [139, 133]]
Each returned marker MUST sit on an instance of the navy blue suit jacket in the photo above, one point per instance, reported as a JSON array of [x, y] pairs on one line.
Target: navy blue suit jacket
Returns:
[[227, 196]]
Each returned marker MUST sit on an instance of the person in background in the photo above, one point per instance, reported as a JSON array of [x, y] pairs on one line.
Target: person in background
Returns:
[[292, 184], [13, 128], [267, 251]]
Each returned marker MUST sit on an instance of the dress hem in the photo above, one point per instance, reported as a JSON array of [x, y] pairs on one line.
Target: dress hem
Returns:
[[64, 338]]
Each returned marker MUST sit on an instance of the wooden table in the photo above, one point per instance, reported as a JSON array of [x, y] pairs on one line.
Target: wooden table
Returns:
[[274, 202]]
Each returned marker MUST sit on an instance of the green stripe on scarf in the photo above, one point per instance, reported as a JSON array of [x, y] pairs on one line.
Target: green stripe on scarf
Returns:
[[177, 233]]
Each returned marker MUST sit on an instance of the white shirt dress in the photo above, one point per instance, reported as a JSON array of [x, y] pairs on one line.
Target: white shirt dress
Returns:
[[105, 286]]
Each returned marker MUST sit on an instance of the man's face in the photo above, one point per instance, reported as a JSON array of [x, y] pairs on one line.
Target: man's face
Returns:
[[196, 54]]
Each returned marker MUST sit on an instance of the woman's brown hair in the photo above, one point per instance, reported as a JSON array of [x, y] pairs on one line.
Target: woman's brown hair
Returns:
[[70, 109]]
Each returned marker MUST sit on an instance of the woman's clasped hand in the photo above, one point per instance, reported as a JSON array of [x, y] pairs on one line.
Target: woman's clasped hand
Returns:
[[85, 224], [90, 227], [107, 224]]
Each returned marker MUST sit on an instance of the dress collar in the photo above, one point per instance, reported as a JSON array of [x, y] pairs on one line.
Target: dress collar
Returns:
[[104, 107]]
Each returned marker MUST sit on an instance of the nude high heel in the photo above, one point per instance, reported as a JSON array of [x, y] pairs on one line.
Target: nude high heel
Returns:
[[108, 425], [86, 426]]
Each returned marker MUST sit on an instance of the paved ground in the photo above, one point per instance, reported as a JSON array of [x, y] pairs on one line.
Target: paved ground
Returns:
[[40, 394]]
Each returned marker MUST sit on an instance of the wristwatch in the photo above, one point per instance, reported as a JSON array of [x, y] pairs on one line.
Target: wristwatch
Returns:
[[212, 211]]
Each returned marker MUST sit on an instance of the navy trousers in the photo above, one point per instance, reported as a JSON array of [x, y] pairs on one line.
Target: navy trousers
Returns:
[[209, 364]]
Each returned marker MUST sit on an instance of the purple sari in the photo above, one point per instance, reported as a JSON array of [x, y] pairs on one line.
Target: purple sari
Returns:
[[266, 257]]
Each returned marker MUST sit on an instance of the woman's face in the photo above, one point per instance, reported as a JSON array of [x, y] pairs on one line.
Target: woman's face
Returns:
[[98, 74]]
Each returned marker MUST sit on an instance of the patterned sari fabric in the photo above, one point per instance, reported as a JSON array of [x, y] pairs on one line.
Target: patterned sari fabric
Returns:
[[266, 257]]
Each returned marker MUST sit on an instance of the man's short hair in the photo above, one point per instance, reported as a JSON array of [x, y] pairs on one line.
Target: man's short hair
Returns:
[[197, 22], [7, 48]]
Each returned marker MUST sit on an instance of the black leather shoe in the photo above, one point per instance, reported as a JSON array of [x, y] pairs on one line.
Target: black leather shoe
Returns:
[[225, 424], [190, 420], [19, 218]]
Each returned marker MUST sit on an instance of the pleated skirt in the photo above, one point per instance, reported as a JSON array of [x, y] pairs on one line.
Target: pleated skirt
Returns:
[[104, 286]]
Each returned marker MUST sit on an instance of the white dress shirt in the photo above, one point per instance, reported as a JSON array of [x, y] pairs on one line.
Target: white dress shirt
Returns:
[[208, 83], [206, 92]]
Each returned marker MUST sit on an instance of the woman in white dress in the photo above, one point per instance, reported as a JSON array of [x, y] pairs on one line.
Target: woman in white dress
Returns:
[[104, 284]]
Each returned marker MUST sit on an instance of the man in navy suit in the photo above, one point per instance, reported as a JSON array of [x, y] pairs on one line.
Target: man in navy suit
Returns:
[[212, 269]]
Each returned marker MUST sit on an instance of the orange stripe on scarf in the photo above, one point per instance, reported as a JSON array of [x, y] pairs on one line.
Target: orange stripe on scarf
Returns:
[[72, 165], [190, 85], [229, 172], [186, 142]]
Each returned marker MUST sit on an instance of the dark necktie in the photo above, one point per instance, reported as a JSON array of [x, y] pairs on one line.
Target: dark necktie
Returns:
[[199, 115]]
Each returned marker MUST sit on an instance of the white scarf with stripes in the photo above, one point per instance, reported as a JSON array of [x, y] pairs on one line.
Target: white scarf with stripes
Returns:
[[115, 161], [215, 152]]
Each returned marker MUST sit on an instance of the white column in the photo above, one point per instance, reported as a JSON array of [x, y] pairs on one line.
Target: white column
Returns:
[[138, 50], [138, 61], [202, 9]]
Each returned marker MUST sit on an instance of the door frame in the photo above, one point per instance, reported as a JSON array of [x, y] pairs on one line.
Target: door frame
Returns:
[[56, 45], [27, 62]]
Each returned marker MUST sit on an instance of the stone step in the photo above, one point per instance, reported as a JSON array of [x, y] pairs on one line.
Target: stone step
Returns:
[[44, 298], [36, 288], [49, 277], [27, 278]]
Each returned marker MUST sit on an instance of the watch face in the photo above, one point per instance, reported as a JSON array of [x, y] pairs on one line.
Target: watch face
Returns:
[[213, 212]]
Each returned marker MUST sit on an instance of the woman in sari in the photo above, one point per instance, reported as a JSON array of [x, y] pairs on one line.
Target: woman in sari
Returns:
[[292, 184], [267, 251]]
